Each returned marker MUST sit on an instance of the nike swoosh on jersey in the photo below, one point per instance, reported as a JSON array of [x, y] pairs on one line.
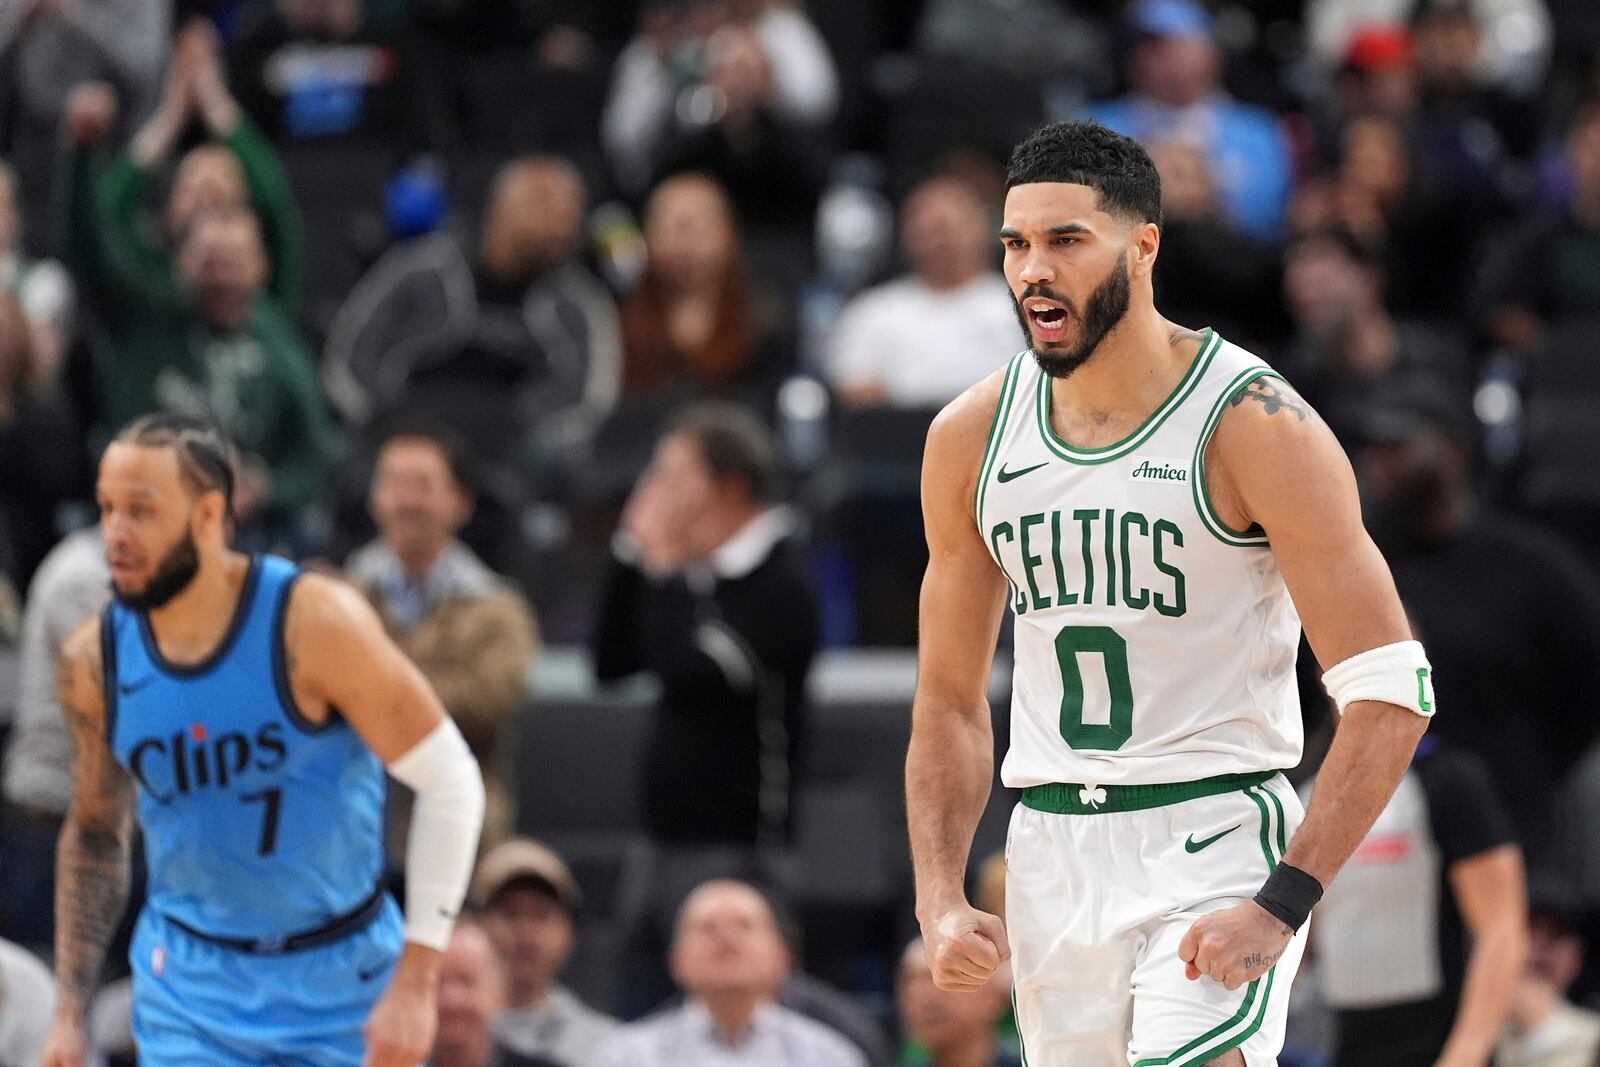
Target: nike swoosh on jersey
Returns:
[[1192, 845], [130, 688], [1006, 476]]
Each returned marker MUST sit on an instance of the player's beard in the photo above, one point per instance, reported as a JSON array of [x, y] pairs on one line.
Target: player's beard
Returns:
[[173, 575], [1106, 307]]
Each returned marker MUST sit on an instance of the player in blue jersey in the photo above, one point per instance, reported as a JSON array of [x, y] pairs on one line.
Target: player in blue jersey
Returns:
[[244, 712]]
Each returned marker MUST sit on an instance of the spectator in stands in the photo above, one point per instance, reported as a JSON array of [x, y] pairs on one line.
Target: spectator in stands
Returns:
[[672, 77], [472, 995], [945, 1029], [41, 286], [730, 960], [1345, 346], [1470, 127], [1511, 614], [1546, 1028], [529, 902], [310, 70], [207, 339], [773, 170], [42, 464], [1211, 271], [697, 322], [1549, 271], [27, 1004], [517, 326], [1516, 33], [920, 340], [1177, 96], [47, 47], [470, 632], [710, 593], [71, 585], [235, 168], [1422, 935], [348, 103]]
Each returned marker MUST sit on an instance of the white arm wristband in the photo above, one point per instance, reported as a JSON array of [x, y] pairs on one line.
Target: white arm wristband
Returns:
[[446, 818], [1395, 674]]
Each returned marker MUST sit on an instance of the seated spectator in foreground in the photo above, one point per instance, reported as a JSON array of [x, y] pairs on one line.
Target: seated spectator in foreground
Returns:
[[529, 902], [71, 585], [41, 286], [236, 168], [922, 339], [1177, 95], [949, 1029], [471, 996], [730, 960], [518, 316], [1546, 1028], [27, 1004], [696, 321], [469, 631]]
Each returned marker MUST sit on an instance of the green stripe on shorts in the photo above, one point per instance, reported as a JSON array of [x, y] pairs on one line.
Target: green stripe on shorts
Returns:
[[1071, 799], [1216, 1041]]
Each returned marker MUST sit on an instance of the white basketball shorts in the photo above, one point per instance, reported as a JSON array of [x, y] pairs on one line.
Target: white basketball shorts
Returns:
[[1103, 883]]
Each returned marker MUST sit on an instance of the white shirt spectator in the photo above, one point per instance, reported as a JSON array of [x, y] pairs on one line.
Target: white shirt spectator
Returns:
[[27, 1003], [688, 1037], [1569, 1038], [71, 585], [923, 346]]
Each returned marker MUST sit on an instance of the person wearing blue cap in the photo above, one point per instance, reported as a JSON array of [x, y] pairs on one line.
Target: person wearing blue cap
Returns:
[[1175, 70]]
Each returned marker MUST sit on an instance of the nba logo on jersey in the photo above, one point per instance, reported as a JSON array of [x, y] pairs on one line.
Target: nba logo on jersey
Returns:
[[158, 960]]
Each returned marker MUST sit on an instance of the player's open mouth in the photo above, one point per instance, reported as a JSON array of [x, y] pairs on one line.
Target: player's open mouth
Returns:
[[1049, 320]]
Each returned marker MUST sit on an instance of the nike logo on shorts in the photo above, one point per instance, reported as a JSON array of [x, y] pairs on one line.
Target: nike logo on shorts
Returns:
[[1192, 845]]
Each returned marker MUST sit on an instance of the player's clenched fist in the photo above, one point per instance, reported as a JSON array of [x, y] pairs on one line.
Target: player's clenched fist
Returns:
[[400, 1030], [64, 1048], [1234, 946], [965, 947]]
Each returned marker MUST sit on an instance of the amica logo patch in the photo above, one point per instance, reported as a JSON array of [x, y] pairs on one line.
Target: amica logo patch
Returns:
[[1159, 470]]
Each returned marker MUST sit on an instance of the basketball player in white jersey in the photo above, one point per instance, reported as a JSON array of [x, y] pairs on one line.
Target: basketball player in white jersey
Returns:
[[1160, 511]]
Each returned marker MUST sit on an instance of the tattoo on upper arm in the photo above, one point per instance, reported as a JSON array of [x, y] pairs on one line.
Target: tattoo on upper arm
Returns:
[[92, 857], [1274, 396]]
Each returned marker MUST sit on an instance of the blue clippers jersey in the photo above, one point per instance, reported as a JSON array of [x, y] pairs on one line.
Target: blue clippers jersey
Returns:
[[257, 822]]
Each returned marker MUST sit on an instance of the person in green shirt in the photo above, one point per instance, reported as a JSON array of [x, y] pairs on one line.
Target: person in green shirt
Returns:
[[235, 167], [203, 336]]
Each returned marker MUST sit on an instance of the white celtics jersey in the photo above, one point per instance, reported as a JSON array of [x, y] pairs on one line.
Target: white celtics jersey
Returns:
[[1153, 644]]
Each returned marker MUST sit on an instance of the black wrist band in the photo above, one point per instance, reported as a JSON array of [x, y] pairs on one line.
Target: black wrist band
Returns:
[[1289, 894]]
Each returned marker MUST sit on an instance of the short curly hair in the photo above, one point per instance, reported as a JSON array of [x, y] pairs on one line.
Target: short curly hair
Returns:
[[1087, 153]]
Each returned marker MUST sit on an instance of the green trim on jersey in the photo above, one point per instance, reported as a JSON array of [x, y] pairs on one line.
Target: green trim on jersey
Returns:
[[1215, 1042], [1197, 478], [1180, 393], [997, 429], [1064, 799]]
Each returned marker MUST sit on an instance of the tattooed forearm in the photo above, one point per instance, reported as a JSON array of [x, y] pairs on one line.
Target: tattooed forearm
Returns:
[[92, 855], [1275, 397], [91, 891]]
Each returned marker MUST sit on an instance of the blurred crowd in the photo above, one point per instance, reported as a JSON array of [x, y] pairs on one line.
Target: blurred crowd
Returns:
[[619, 325]]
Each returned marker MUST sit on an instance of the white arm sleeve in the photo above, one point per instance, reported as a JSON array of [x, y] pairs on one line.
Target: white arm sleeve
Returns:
[[446, 818]]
